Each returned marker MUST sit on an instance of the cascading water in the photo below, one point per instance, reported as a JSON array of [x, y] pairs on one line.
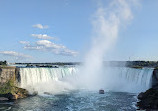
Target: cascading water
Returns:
[[45, 79], [56, 80], [126, 79]]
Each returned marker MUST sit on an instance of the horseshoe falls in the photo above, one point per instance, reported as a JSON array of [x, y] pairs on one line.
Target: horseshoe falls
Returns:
[[64, 89], [57, 80]]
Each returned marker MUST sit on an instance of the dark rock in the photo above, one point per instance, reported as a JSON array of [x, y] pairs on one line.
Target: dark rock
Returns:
[[10, 96], [141, 95], [148, 99], [17, 75]]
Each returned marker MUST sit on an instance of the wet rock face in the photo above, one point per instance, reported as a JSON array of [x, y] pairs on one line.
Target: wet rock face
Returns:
[[17, 75], [21, 93], [155, 78], [11, 96], [141, 96], [148, 99]]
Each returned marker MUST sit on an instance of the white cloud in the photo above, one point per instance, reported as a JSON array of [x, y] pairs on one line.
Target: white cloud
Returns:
[[14, 54], [69, 52], [45, 45], [49, 44], [40, 26], [43, 36], [24, 42]]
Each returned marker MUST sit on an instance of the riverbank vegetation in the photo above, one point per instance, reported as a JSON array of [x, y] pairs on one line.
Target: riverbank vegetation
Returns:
[[10, 91], [3, 63], [7, 87]]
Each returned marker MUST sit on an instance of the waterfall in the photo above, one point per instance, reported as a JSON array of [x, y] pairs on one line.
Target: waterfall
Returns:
[[45, 79], [59, 79], [128, 79]]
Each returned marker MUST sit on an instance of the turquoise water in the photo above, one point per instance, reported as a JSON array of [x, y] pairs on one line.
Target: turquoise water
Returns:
[[75, 101]]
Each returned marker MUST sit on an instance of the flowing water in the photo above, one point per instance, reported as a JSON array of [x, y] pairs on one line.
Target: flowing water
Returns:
[[59, 90], [120, 79], [75, 101]]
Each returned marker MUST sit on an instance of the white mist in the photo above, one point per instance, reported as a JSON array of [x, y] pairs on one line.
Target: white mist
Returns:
[[107, 23]]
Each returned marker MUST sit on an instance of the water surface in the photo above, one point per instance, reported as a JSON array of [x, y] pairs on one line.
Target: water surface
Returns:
[[75, 101]]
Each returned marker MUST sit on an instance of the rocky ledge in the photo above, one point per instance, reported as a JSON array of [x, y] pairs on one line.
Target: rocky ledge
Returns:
[[17, 94], [9, 91], [148, 100]]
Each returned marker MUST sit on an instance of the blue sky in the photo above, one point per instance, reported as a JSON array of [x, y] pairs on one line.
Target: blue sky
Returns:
[[61, 30]]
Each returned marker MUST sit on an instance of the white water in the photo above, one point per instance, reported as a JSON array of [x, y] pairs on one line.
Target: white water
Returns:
[[127, 79], [57, 80], [46, 79]]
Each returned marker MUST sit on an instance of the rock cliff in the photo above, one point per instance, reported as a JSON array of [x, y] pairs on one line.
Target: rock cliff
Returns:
[[149, 100], [7, 73], [9, 78]]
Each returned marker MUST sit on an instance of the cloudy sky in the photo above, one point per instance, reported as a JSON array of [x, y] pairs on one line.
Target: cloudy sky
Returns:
[[61, 30]]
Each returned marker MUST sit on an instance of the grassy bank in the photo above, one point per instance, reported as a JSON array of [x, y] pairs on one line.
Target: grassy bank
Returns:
[[7, 87]]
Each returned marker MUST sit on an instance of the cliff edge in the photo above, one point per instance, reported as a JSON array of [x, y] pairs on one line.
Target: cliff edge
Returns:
[[149, 100], [8, 84]]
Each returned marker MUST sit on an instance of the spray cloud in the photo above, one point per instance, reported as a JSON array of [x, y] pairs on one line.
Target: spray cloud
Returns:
[[107, 23]]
